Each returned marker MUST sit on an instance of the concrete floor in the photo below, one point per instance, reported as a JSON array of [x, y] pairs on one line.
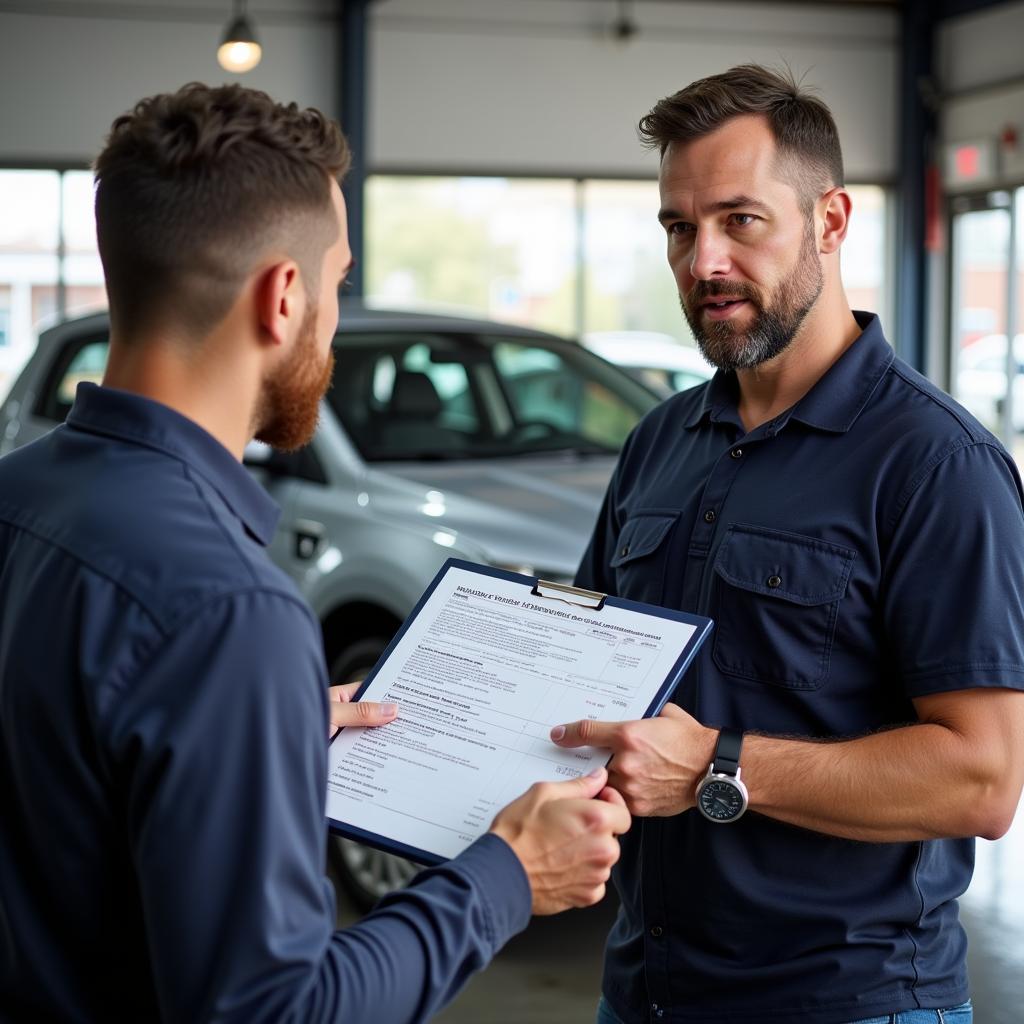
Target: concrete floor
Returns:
[[550, 974]]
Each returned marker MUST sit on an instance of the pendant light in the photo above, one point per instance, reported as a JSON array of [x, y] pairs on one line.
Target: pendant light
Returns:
[[239, 51]]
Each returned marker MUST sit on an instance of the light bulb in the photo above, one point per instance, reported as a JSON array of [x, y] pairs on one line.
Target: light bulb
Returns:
[[238, 56]]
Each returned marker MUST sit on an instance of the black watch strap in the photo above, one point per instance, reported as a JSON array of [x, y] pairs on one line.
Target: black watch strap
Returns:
[[727, 751]]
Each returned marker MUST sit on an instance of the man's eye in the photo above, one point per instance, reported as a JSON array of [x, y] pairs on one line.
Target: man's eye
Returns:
[[742, 219], [680, 228]]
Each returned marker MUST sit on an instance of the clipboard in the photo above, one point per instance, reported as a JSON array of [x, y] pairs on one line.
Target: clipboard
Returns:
[[571, 615]]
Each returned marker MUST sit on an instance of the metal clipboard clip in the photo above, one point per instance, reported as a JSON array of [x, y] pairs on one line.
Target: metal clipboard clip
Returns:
[[563, 592]]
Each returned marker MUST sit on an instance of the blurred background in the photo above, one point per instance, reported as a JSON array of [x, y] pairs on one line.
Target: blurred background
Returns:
[[498, 175]]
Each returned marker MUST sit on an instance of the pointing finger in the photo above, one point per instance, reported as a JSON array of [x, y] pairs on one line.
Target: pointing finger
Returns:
[[587, 733]]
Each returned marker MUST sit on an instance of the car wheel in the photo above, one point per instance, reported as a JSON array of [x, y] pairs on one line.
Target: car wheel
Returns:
[[366, 873], [355, 661]]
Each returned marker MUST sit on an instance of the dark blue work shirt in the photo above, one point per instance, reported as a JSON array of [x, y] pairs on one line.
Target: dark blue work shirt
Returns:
[[861, 549], [163, 762]]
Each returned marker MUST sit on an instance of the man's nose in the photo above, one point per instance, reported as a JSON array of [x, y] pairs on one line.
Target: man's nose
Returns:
[[710, 256]]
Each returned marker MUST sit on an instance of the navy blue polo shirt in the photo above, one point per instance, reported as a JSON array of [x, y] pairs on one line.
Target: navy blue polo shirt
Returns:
[[163, 762], [861, 549]]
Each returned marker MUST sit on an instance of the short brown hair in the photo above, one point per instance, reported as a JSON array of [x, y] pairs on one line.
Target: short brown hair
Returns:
[[801, 124], [191, 188]]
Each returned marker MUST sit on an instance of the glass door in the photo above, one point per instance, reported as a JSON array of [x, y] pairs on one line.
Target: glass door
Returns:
[[987, 375], [988, 297]]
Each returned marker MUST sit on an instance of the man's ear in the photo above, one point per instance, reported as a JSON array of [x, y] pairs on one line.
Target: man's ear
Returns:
[[279, 301], [834, 210]]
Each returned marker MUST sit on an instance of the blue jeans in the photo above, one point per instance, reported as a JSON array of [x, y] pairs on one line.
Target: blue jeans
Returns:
[[962, 1014]]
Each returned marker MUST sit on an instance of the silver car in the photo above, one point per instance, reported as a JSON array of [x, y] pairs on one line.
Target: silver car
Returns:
[[439, 437]]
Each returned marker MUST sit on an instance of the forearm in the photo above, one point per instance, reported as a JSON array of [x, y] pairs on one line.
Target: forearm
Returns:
[[412, 954], [957, 772], [921, 781]]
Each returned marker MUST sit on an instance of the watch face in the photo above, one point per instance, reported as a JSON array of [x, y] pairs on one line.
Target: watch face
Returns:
[[720, 800]]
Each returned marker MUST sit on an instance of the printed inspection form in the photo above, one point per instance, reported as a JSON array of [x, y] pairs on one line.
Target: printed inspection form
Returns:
[[482, 669]]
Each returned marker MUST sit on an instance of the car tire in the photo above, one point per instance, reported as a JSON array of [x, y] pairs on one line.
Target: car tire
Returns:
[[354, 662], [365, 873]]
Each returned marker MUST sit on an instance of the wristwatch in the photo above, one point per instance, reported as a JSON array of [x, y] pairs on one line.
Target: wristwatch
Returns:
[[721, 796]]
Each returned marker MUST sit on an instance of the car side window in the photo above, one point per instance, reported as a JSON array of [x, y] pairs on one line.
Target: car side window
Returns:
[[400, 394], [450, 380], [81, 360], [547, 389]]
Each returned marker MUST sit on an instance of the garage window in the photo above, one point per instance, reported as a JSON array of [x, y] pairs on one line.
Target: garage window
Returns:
[[572, 256]]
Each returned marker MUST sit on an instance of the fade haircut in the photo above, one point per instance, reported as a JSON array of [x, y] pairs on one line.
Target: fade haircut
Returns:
[[193, 187], [802, 126]]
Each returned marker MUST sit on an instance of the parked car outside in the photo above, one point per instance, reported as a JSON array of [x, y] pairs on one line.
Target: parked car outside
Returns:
[[657, 360], [980, 376], [439, 437]]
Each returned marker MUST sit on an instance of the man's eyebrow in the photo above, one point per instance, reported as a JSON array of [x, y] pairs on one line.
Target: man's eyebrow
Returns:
[[740, 202], [737, 202]]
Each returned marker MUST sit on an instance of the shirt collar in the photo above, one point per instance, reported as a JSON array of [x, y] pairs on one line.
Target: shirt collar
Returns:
[[721, 397], [835, 401], [137, 420], [839, 397]]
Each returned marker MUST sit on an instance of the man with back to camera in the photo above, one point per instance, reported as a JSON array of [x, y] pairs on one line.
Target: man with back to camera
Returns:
[[857, 538], [163, 694]]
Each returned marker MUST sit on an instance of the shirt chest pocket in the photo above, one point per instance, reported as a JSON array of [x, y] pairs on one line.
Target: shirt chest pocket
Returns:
[[639, 560], [776, 604]]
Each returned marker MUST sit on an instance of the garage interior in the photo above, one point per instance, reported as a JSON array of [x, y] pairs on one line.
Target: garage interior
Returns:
[[497, 175]]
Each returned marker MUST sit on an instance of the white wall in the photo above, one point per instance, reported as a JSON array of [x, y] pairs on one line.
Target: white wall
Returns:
[[975, 52], [537, 86], [64, 79]]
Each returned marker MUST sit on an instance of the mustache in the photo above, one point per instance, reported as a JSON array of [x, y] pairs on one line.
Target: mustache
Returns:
[[702, 291]]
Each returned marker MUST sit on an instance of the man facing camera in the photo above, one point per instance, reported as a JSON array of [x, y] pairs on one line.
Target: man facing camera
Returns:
[[810, 798], [163, 694]]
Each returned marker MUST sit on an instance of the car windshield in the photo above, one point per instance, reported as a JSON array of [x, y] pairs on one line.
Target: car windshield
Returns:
[[421, 396]]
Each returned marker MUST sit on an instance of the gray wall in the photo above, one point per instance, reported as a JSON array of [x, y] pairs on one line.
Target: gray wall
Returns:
[[538, 85], [976, 53]]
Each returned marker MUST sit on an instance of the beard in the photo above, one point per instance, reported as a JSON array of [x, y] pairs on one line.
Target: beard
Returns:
[[289, 404], [777, 318]]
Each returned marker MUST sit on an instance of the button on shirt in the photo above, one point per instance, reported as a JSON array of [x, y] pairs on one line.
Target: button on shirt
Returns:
[[163, 764], [865, 549]]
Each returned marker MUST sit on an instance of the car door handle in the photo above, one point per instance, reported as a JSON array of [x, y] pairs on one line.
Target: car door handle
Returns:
[[309, 536]]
